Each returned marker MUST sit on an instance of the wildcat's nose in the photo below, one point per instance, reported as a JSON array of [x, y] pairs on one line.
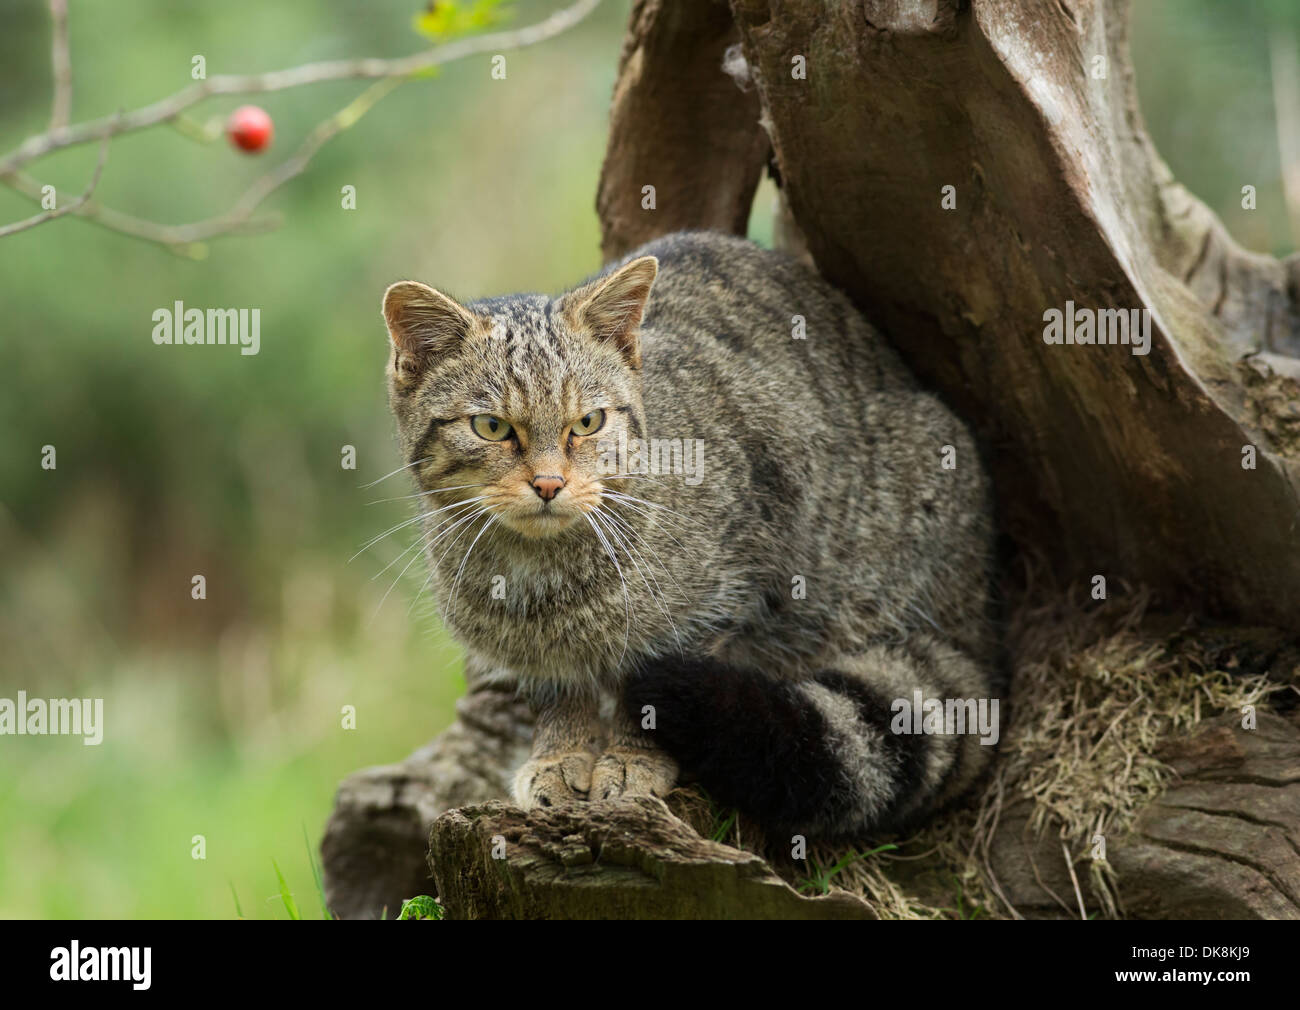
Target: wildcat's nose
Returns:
[[548, 485]]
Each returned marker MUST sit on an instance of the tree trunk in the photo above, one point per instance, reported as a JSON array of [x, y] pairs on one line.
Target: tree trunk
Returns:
[[1219, 844], [680, 125], [1105, 462], [621, 859]]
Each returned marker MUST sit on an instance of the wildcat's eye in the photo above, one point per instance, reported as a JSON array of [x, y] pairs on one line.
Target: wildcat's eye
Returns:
[[590, 424], [492, 428]]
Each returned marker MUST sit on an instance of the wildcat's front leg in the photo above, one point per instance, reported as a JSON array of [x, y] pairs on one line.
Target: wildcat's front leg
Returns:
[[633, 764], [567, 740]]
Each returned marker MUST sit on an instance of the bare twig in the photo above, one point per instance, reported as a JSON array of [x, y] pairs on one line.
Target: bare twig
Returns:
[[169, 108], [986, 827], [61, 65], [322, 134], [178, 239], [71, 208], [186, 239]]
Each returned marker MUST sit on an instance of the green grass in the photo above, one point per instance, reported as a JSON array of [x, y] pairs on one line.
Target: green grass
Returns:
[[962, 912], [819, 878], [286, 895], [287, 899], [317, 875], [721, 828], [108, 831]]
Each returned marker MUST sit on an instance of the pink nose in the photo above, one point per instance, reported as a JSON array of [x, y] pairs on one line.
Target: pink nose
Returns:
[[548, 485]]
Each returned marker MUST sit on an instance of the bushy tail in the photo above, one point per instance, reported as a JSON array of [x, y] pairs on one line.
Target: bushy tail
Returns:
[[815, 756]]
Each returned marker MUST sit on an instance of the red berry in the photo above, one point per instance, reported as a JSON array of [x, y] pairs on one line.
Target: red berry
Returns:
[[250, 128]]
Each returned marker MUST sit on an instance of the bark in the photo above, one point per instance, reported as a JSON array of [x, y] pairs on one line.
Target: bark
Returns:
[[1220, 843], [1105, 462], [1232, 822], [681, 124], [622, 859]]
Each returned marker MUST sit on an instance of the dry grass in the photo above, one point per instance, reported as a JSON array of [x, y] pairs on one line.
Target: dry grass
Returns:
[[1095, 688]]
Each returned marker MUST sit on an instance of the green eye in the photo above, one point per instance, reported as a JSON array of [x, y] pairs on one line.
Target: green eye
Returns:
[[492, 428], [590, 424]]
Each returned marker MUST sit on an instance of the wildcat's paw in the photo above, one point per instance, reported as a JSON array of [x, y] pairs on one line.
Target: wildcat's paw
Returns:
[[633, 771], [554, 779]]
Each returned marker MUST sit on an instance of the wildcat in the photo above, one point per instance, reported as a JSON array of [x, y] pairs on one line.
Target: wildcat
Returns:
[[755, 622]]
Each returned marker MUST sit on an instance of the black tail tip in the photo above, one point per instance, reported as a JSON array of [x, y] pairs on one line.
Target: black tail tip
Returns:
[[755, 743]]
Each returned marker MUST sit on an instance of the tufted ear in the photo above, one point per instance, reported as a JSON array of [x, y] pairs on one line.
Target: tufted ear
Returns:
[[610, 308], [423, 324]]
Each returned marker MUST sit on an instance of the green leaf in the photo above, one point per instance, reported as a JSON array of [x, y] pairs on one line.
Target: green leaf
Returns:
[[286, 895], [720, 830], [447, 19], [420, 908], [316, 874], [820, 879]]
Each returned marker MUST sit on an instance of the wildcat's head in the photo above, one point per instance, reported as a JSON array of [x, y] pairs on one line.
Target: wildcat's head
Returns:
[[518, 398]]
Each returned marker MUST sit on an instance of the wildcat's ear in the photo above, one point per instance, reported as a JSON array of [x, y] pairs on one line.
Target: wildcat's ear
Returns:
[[610, 308], [423, 324]]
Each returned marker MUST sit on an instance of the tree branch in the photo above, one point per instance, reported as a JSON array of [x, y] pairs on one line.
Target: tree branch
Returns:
[[72, 208], [166, 109], [187, 239]]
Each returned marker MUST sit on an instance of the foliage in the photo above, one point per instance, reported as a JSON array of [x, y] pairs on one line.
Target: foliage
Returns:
[[224, 715], [421, 907], [444, 19]]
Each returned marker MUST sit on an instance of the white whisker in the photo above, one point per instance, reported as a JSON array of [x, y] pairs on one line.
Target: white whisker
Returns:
[[650, 517], [632, 499], [433, 566], [656, 592], [455, 583], [627, 601], [415, 557], [422, 494], [408, 522], [423, 538], [395, 472]]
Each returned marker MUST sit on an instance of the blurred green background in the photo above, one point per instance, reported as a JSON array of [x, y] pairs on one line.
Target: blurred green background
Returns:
[[224, 715]]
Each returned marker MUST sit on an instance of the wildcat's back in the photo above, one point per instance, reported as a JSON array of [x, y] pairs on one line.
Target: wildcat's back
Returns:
[[858, 560], [821, 458], [819, 551]]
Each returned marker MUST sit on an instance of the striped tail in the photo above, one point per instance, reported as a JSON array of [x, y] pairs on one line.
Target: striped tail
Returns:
[[818, 756]]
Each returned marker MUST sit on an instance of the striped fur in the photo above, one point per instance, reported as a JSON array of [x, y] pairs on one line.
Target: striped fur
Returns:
[[825, 565], [813, 755]]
